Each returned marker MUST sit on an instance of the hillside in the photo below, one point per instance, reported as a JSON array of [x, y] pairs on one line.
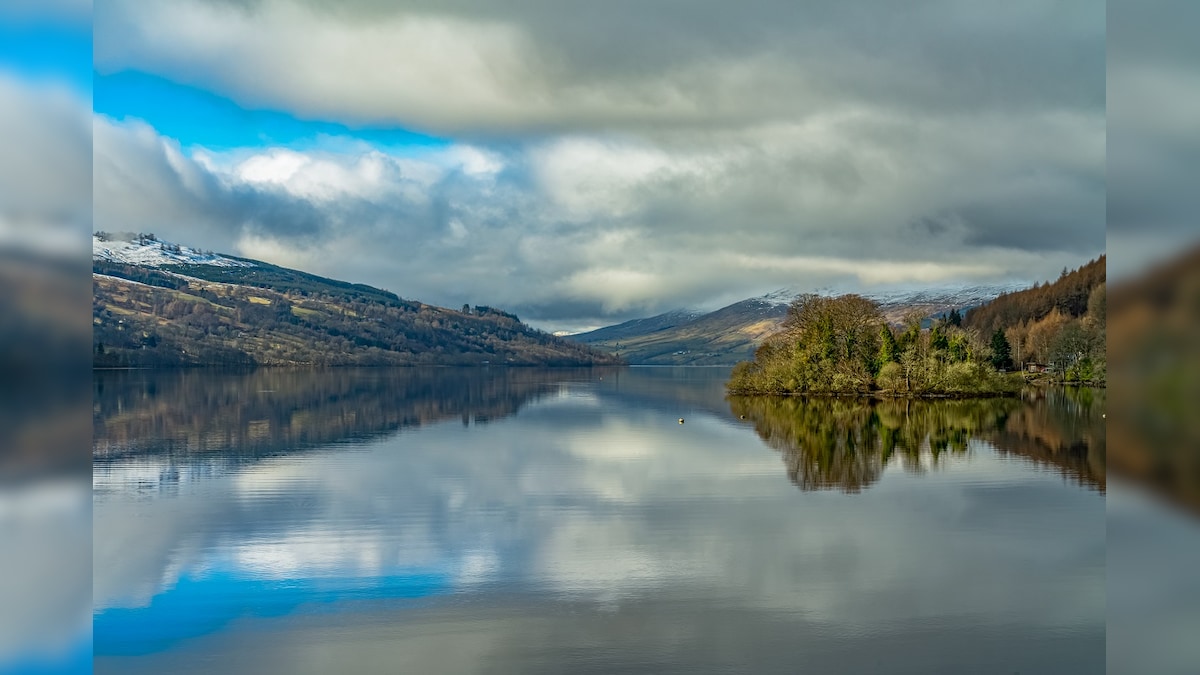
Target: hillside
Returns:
[[635, 328], [1058, 326], [723, 337], [160, 304], [732, 333], [1068, 295]]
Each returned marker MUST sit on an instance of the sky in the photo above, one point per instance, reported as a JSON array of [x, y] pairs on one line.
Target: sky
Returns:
[[587, 164], [1153, 80]]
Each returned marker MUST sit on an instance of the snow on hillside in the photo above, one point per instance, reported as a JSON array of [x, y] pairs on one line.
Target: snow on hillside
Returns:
[[950, 296], [783, 296], [156, 253], [962, 296]]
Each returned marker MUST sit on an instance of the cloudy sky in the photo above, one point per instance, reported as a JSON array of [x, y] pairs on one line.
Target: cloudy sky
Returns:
[[587, 164], [1154, 131]]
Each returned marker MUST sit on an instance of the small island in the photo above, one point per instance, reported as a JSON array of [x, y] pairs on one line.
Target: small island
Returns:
[[844, 346]]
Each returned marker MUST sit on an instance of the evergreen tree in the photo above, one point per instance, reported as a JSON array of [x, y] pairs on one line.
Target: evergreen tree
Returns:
[[938, 339], [959, 349], [889, 350], [955, 318], [1001, 351]]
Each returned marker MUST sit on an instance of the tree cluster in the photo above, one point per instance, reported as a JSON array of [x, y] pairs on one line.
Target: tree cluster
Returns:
[[1069, 296], [1060, 325], [843, 345]]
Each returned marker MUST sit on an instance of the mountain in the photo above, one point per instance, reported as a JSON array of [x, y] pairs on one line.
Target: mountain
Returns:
[[732, 333], [638, 327], [156, 303], [725, 336], [896, 304]]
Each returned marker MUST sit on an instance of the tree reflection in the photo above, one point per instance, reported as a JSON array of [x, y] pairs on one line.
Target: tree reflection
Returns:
[[273, 411], [1062, 428], [846, 443]]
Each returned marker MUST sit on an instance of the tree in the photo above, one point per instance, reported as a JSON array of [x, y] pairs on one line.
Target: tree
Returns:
[[958, 347], [826, 345], [954, 318], [938, 339], [1043, 334], [1001, 351], [889, 350], [912, 330], [1097, 306]]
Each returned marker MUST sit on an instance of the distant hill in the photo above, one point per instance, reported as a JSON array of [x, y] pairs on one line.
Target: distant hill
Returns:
[[725, 336], [638, 327], [732, 333], [156, 303]]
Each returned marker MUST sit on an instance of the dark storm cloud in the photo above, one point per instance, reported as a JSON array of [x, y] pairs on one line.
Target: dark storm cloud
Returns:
[[582, 66]]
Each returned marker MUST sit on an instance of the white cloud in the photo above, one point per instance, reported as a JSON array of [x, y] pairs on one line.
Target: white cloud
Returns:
[[873, 272], [46, 168], [584, 228]]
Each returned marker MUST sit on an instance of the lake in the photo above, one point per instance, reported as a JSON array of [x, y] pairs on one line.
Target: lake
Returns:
[[565, 521]]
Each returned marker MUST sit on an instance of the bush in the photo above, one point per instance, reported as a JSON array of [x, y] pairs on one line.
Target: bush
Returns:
[[891, 377], [962, 378]]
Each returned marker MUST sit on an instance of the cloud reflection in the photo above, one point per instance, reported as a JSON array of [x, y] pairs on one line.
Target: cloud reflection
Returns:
[[596, 498]]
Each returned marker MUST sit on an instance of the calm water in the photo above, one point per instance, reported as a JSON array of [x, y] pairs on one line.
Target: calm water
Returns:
[[564, 521]]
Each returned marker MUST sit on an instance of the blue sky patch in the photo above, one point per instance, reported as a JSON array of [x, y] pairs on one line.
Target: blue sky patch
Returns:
[[46, 49], [196, 117]]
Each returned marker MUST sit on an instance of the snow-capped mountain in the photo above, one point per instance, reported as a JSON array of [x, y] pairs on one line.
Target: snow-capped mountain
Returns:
[[732, 333], [152, 252]]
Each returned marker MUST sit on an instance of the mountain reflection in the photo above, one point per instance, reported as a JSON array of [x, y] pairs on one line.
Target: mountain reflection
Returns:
[[273, 411], [836, 443]]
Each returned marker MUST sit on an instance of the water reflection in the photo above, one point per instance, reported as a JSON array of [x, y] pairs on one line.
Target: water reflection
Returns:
[[272, 411], [45, 524], [583, 529], [846, 444], [1062, 428]]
